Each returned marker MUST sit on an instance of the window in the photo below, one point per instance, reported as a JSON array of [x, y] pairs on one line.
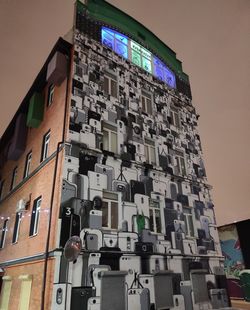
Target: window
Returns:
[[5, 292], [13, 179], [4, 231], [175, 118], [146, 103], [1, 188], [51, 92], [110, 211], [115, 41], [189, 224], [163, 73], [155, 216], [16, 227], [180, 161], [110, 138], [139, 55], [24, 299], [27, 165], [35, 216], [150, 151], [45, 146], [110, 85]]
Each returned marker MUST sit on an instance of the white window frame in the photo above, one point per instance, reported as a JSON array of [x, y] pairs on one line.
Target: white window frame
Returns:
[[153, 209], [4, 233], [186, 216], [51, 94], [13, 179], [36, 209], [178, 158], [173, 114], [110, 129], [27, 165], [110, 78], [45, 146], [147, 101], [149, 146], [18, 220], [111, 198]]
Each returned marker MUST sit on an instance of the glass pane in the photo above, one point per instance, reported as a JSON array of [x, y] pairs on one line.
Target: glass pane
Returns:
[[108, 38], [191, 225], [105, 140], [146, 65], [187, 210], [146, 153], [105, 212], [113, 142], [183, 168], [143, 104], [145, 53], [121, 38], [151, 219], [136, 58], [114, 215], [158, 221], [152, 155], [106, 85], [136, 47], [159, 73], [149, 106], [113, 88], [121, 49], [169, 77]]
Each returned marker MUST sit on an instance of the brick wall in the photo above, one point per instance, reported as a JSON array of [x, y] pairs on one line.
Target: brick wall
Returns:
[[35, 269]]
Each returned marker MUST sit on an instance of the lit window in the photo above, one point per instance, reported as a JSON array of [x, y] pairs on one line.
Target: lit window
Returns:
[[141, 57], [16, 227], [115, 41], [13, 178], [138, 55], [155, 216], [27, 165], [150, 151], [1, 188], [180, 161], [110, 85], [4, 232], [110, 138], [189, 224], [51, 91], [175, 118], [146, 103], [35, 216], [163, 73], [45, 146], [110, 211], [5, 292]]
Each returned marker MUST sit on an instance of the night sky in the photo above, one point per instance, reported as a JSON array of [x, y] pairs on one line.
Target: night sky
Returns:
[[210, 37]]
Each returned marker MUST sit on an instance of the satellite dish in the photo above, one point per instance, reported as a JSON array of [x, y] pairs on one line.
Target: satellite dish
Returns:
[[72, 248]]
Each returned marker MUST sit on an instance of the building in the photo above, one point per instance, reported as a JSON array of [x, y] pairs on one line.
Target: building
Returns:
[[105, 146]]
